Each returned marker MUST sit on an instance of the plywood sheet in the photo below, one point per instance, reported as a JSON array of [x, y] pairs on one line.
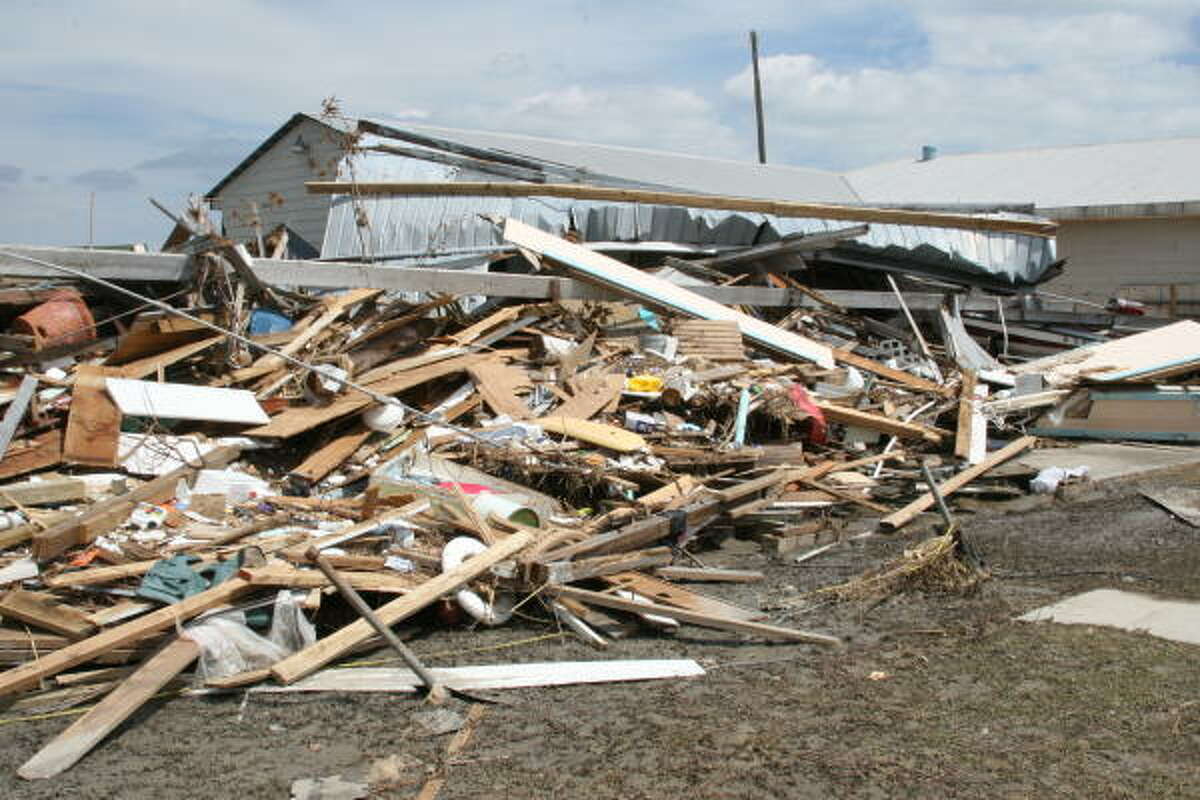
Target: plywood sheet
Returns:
[[656, 291]]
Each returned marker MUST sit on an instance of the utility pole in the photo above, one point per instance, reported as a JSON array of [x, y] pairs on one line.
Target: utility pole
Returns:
[[758, 101]]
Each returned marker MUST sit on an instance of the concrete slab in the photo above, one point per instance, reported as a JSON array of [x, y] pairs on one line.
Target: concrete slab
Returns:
[[1106, 461], [1178, 620]]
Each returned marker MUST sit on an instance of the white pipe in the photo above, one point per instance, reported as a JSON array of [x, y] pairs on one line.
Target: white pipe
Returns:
[[458, 550]]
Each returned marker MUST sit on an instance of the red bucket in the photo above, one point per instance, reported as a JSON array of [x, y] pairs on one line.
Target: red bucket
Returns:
[[63, 319]]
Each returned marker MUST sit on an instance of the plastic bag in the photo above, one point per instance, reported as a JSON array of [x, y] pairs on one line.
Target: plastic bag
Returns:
[[1047, 480], [228, 646]]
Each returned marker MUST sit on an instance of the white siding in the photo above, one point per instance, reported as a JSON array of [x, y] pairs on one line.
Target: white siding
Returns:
[[275, 181], [1136, 259]]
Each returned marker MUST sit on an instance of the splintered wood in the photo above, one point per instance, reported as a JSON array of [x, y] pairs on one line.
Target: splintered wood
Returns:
[[715, 340], [587, 448]]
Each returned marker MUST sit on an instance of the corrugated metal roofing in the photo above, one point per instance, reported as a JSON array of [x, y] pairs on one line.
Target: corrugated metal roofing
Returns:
[[408, 227], [694, 173], [1124, 173]]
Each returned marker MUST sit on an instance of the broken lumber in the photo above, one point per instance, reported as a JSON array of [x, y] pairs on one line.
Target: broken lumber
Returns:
[[43, 611], [106, 515], [89, 730], [905, 515], [27, 675], [878, 422], [323, 651], [694, 618]]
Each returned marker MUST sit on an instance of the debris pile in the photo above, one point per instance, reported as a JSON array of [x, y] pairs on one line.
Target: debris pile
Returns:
[[263, 479]]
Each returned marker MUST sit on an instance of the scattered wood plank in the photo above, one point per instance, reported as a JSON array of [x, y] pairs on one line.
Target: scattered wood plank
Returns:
[[324, 460], [299, 419], [320, 653], [89, 730], [596, 433], [43, 611], [39, 452], [492, 676], [282, 576], [28, 675], [660, 591], [150, 365], [966, 409], [926, 501], [591, 395], [106, 515], [710, 574], [694, 618], [878, 422], [571, 571], [499, 384], [94, 422], [778, 208], [42, 493]]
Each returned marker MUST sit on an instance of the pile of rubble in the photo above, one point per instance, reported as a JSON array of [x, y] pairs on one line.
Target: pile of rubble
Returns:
[[215, 471]]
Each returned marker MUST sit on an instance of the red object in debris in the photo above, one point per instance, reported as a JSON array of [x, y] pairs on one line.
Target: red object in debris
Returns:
[[63, 319], [467, 488], [818, 430]]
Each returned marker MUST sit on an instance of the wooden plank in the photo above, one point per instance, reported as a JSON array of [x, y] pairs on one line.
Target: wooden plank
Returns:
[[43, 611], [895, 375], [334, 306], [662, 293], [591, 395], [596, 433], [39, 452], [89, 730], [848, 496], [302, 418], [926, 501], [94, 422], [499, 385], [878, 422], [281, 576], [106, 515], [16, 412], [342, 641], [324, 460], [28, 675], [491, 676], [660, 591], [966, 409], [778, 208], [42, 493], [98, 576], [150, 365], [571, 571], [710, 574], [694, 618]]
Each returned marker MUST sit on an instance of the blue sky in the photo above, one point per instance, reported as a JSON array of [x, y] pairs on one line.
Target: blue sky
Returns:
[[133, 98]]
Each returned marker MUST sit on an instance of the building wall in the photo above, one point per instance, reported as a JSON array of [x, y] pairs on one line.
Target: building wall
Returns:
[[1134, 259], [275, 182]]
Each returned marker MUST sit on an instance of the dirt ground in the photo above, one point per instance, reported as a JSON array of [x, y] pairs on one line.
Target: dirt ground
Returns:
[[972, 704]]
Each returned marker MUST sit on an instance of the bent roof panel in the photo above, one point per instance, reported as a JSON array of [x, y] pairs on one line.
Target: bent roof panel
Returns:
[[694, 173]]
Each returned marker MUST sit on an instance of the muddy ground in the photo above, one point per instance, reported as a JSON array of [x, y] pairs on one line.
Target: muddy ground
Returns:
[[971, 704]]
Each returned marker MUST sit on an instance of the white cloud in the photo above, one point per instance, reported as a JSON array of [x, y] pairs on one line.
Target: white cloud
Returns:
[[657, 117], [109, 86], [993, 81]]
